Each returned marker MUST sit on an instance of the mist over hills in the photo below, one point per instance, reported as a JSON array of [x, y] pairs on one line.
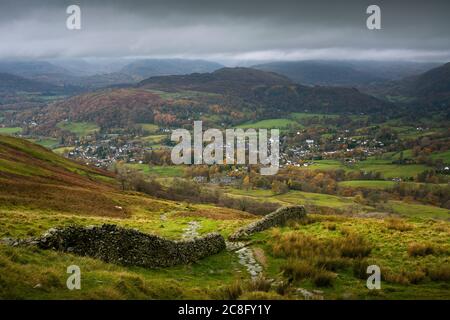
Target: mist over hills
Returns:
[[10, 83], [162, 67], [326, 87], [429, 89], [345, 73], [97, 73]]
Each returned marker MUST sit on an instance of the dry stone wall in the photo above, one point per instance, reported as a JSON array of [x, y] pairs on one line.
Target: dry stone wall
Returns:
[[114, 244], [276, 218]]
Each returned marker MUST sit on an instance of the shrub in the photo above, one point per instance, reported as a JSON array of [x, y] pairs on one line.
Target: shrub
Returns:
[[298, 269], [398, 224], [259, 284], [330, 226], [354, 246], [323, 278], [360, 268], [439, 273], [389, 276], [420, 249], [306, 220], [332, 263], [416, 276], [282, 288], [295, 244], [231, 292], [259, 295]]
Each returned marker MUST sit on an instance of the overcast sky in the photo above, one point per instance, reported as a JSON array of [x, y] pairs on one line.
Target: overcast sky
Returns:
[[227, 30]]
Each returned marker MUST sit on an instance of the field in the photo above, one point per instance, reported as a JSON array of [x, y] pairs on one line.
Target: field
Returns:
[[369, 184], [163, 171], [269, 124], [445, 156], [10, 130], [385, 167], [79, 128], [154, 140], [337, 204], [63, 150], [49, 143], [297, 198], [182, 94], [298, 116], [149, 128], [419, 210]]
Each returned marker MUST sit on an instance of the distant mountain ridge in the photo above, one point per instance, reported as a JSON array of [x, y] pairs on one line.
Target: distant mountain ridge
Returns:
[[344, 73], [429, 89], [319, 73], [271, 90], [228, 95], [224, 80], [162, 67], [10, 83], [83, 74], [38, 70]]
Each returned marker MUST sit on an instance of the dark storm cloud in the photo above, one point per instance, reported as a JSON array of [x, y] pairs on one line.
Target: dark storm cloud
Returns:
[[226, 30]]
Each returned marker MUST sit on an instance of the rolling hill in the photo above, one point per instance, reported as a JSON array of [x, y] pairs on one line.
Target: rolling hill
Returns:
[[34, 177], [228, 95], [10, 83], [272, 91], [236, 81], [320, 73], [106, 108]]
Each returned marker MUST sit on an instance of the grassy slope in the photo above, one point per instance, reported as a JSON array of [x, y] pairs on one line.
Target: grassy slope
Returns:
[[389, 250], [41, 190]]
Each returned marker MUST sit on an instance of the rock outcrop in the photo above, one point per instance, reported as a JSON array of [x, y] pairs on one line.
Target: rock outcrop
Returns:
[[114, 244], [276, 218]]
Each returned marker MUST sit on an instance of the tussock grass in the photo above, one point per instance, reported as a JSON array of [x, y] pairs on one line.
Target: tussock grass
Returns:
[[259, 284], [439, 273], [295, 244], [421, 249], [317, 259], [398, 225], [248, 289], [230, 292], [354, 246], [298, 269], [323, 278]]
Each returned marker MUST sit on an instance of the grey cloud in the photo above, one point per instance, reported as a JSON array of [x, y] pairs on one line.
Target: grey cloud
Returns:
[[226, 30]]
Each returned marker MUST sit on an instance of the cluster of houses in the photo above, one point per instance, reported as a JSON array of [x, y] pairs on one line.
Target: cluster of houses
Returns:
[[103, 153]]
